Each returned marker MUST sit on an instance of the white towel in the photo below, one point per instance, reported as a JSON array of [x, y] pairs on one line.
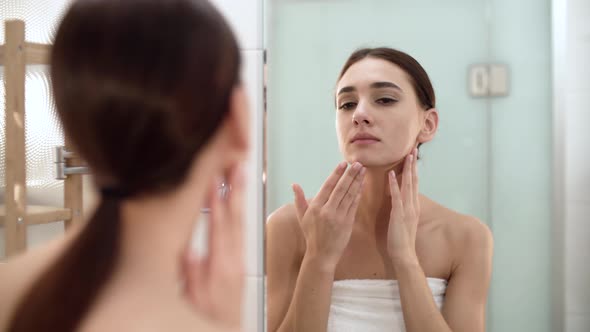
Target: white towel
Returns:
[[364, 305]]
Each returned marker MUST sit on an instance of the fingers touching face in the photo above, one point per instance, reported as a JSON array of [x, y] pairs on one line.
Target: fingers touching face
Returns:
[[405, 196]]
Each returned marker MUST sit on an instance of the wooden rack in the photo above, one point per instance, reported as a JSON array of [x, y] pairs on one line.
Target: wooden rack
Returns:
[[15, 214]]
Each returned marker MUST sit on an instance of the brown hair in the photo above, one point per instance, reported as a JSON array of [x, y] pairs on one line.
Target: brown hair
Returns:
[[140, 87], [418, 76]]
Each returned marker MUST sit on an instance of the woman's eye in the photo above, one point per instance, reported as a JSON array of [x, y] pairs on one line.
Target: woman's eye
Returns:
[[386, 101], [347, 106]]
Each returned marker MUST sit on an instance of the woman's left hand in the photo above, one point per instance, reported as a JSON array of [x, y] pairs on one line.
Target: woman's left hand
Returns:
[[405, 211]]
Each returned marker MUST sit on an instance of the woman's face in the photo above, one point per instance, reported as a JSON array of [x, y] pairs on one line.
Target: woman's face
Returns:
[[379, 117]]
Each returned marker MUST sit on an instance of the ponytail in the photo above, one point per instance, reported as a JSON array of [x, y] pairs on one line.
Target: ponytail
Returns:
[[64, 293]]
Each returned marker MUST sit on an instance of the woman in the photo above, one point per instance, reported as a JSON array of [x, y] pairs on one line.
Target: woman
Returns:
[[368, 252], [149, 93]]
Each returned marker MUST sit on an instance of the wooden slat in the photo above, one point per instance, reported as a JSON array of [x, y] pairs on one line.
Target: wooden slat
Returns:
[[45, 214], [1, 55], [16, 191], [37, 54], [37, 214], [73, 189]]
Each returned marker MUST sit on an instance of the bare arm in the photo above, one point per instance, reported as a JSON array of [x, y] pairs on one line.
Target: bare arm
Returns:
[[310, 305], [299, 288], [465, 299], [311, 301], [283, 261], [467, 292], [295, 281], [464, 308]]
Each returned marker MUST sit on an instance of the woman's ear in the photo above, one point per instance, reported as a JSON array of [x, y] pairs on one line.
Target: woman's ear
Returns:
[[429, 125]]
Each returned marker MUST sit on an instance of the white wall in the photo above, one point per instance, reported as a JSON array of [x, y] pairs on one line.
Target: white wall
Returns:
[[574, 103], [246, 18]]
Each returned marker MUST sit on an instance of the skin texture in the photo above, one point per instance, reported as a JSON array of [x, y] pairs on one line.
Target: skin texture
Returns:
[[154, 261], [371, 222]]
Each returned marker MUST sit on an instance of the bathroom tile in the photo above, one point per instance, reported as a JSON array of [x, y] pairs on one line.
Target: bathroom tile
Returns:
[[578, 62], [252, 313], [577, 138], [577, 322], [36, 235], [252, 71], [578, 45], [41, 234], [245, 18], [578, 12], [252, 75], [577, 247]]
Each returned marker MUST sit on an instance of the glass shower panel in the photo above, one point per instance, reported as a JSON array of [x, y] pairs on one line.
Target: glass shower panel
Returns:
[[520, 169]]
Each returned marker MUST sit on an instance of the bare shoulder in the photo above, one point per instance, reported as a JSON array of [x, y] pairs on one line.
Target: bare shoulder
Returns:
[[284, 214], [19, 273], [282, 227], [468, 228], [178, 316], [464, 232]]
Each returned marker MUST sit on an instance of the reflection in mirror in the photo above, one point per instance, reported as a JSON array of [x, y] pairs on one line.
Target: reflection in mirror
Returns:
[[473, 246]]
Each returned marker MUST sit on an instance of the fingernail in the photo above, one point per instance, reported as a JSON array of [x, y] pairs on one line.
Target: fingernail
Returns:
[[342, 165]]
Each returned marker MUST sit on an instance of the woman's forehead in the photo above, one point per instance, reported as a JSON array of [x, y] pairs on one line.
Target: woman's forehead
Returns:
[[364, 73]]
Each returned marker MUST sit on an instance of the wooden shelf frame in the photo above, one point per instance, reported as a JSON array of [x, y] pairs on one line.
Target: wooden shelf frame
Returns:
[[15, 215]]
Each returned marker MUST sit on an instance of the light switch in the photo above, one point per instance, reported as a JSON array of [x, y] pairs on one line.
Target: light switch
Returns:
[[478, 80], [498, 80], [488, 80]]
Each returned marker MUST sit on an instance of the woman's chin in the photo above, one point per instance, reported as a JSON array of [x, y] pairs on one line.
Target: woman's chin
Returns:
[[368, 161]]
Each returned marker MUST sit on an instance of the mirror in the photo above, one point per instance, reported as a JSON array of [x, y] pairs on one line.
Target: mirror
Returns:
[[496, 155]]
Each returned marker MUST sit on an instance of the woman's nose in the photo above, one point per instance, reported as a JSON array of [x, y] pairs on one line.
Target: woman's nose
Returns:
[[361, 117]]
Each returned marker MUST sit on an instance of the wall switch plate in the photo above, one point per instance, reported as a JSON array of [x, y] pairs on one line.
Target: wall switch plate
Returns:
[[479, 80], [498, 80], [488, 80]]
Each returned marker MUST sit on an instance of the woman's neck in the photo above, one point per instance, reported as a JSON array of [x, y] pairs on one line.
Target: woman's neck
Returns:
[[375, 205], [156, 233]]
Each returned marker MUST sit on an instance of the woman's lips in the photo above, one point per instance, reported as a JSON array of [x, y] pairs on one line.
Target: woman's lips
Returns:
[[365, 141], [364, 138]]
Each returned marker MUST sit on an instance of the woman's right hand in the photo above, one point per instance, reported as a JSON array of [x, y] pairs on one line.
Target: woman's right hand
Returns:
[[326, 221], [214, 283]]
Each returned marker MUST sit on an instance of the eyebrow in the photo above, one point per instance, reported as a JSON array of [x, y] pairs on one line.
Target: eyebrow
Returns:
[[376, 85]]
